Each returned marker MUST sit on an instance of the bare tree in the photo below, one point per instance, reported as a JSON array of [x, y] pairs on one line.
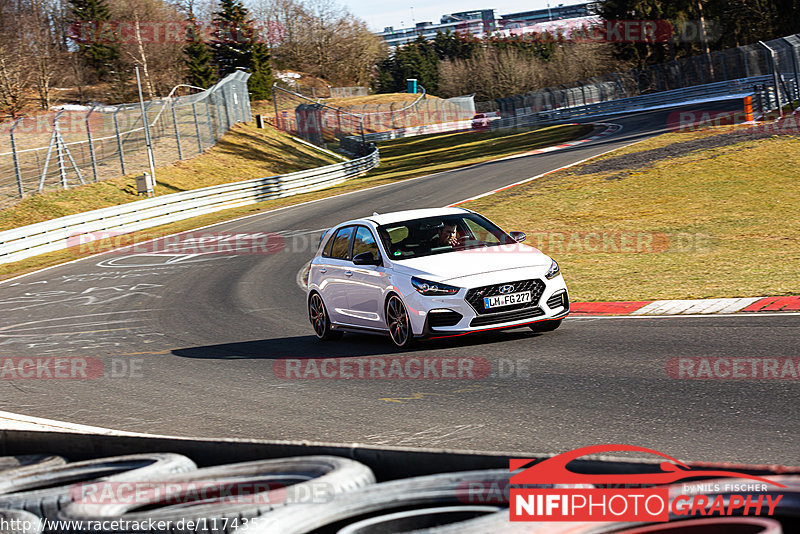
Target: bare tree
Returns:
[[155, 43], [321, 38], [47, 53], [493, 73]]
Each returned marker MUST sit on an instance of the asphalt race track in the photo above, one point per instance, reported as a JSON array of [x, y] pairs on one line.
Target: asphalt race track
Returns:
[[188, 342]]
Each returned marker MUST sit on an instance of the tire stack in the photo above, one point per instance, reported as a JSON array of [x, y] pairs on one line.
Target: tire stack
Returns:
[[301, 495], [164, 487]]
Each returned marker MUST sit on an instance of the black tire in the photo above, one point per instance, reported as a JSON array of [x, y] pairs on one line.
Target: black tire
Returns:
[[318, 315], [546, 326], [301, 479], [418, 520], [46, 490], [29, 460], [398, 323], [419, 492], [19, 522]]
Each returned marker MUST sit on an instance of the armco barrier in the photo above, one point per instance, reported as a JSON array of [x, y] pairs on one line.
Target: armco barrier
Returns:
[[387, 462], [743, 87], [49, 236]]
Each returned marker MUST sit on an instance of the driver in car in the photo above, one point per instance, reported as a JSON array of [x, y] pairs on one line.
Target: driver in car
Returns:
[[447, 235]]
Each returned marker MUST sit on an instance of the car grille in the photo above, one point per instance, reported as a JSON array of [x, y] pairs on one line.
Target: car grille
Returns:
[[558, 300], [508, 316], [444, 318], [475, 295]]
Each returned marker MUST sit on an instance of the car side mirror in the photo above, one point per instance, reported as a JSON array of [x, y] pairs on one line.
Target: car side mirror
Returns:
[[519, 237], [366, 258]]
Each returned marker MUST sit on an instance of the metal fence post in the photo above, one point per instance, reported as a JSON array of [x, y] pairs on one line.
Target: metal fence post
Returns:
[[91, 144], [275, 106], [238, 103], [119, 140], [227, 110], [746, 62], [197, 129], [175, 126], [234, 104], [62, 171], [209, 122], [795, 67], [679, 71], [583, 92], [774, 65], [17, 171]]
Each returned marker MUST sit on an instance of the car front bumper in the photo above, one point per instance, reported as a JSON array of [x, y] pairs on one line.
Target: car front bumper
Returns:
[[434, 317]]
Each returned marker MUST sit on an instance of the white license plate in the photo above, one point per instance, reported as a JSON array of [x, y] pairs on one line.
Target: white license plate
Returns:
[[498, 301]]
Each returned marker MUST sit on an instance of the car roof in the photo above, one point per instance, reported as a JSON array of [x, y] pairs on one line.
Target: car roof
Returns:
[[399, 216]]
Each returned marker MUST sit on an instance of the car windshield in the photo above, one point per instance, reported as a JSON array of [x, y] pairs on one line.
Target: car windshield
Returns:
[[439, 235]]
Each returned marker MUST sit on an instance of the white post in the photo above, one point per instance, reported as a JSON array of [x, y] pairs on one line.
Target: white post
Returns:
[[146, 127]]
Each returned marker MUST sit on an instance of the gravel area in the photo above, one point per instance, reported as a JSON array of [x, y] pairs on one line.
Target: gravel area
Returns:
[[638, 160]]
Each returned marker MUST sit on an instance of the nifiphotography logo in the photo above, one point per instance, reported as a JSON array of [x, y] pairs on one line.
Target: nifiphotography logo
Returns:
[[630, 497]]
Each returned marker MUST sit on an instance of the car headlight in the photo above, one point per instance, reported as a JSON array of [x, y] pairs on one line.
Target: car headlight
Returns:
[[428, 288], [553, 271]]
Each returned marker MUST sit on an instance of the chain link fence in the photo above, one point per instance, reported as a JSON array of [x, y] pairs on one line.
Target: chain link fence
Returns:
[[326, 126], [779, 58], [347, 92], [78, 146]]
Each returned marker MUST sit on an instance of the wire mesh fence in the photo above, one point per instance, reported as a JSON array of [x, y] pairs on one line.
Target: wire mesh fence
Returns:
[[346, 92], [326, 125], [779, 58], [76, 146]]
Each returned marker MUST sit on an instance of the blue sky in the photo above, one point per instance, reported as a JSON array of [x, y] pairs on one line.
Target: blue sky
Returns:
[[398, 13]]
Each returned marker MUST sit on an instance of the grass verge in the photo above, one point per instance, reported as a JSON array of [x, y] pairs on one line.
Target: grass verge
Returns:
[[714, 222], [392, 169], [243, 153]]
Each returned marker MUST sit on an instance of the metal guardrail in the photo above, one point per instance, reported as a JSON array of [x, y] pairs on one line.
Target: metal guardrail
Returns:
[[58, 234], [743, 86]]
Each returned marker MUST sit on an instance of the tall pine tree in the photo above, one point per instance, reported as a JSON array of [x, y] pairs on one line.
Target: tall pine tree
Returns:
[[95, 37], [198, 58], [417, 59], [260, 81], [237, 45]]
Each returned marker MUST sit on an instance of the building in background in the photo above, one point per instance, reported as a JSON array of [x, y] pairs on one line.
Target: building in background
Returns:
[[482, 22], [539, 16]]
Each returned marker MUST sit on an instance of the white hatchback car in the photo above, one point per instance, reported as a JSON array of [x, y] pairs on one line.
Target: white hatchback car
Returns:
[[430, 273]]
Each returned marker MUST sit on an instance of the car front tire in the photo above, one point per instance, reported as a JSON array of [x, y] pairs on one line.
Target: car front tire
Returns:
[[398, 322], [318, 315]]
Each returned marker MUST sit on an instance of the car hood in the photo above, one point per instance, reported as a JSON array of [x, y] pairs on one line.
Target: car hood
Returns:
[[459, 264]]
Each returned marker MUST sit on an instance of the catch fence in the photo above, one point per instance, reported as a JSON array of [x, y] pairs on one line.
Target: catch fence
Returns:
[[78, 145], [326, 125], [778, 59]]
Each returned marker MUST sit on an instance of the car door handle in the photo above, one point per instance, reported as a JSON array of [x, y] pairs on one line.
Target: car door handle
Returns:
[[323, 270], [348, 273]]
